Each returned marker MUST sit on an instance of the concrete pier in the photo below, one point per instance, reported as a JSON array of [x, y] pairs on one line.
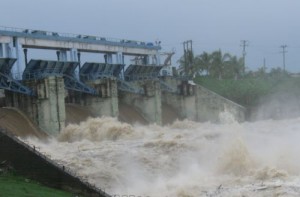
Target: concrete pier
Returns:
[[104, 103], [183, 100], [149, 103], [47, 108]]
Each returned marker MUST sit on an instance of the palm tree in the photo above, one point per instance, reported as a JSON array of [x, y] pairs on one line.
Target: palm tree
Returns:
[[216, 64], [219, 63], [203, 63], [236, 67]]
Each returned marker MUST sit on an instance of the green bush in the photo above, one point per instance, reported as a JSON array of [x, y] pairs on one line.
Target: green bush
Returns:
[[16, 186]]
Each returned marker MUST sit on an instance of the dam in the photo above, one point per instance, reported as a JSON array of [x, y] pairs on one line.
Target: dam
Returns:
[[47, 95], [48, 90]]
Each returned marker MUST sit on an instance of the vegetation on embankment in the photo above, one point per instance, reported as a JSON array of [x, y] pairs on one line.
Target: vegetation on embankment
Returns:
[[266, 97], [16, 186], [227, 75], [252, 91]]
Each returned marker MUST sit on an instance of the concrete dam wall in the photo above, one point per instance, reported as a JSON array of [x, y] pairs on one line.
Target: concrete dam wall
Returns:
[[44, 96], [54, 107]]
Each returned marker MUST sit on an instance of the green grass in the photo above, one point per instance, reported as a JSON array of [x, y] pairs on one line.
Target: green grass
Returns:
[[251, 91], [16, 186]]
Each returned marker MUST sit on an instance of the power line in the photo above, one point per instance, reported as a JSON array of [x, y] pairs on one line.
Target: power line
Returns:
[[283, 54]]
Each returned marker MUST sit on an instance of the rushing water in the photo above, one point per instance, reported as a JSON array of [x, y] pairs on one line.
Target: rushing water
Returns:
[[183, 159]]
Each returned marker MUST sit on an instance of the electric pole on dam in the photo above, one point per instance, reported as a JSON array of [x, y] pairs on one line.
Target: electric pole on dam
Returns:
[[244, 44], [188, 56], [283, 51]]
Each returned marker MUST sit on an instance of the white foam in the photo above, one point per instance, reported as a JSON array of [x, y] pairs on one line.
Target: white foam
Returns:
[[183, 159]]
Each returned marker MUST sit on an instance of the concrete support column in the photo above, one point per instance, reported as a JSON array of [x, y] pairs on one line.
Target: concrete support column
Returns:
[[114, 103], [154, 60], [73, 55], [2, 49], [157, 103], [106, 104], [20, 64], [62, 55], [108, 58], [10, 50], [147, 60], [119, 58], [51, 105], [25, 56], [151, 59], [74, 58], [157, 57]]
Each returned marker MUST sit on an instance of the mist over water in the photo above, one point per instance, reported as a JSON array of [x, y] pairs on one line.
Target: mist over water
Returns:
[[183, 159]]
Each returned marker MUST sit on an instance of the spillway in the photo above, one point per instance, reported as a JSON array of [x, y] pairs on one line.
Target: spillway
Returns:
[[17, 123], [130, 115], [143, 158], [169, 114], [76, 114], [185, 158]]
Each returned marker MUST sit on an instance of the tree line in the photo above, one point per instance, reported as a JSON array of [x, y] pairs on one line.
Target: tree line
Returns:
[[226, 75], [220, 66]]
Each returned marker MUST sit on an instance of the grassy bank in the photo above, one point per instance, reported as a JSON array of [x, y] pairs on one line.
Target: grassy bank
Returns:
[[252, 91], [16, 186]]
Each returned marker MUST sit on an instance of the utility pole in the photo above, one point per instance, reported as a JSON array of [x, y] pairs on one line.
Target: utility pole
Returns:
[[244, 44], [188, 56], [284, 51]]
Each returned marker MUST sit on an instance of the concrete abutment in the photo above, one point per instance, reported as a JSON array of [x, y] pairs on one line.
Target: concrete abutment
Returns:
[[209, 105], [197, 103]]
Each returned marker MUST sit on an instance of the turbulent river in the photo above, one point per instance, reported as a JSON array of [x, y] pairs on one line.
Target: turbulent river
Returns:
[[183, 159]]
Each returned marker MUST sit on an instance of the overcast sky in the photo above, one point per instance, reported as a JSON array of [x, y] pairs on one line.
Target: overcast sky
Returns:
[[211, 24]]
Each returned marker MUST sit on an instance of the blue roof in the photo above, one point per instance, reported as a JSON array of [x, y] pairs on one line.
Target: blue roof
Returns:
[[93, 71], [141, 72]]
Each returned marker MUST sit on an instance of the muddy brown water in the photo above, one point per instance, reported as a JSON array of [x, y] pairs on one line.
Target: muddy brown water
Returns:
[[19, 124]]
